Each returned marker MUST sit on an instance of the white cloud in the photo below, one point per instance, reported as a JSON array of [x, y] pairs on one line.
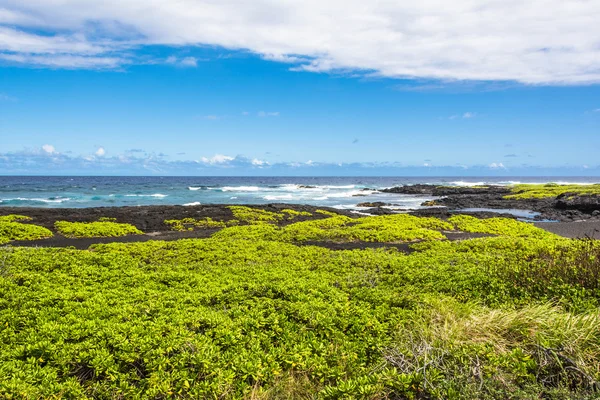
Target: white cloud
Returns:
[[496, 166], [49, 149], [189, 61], [466, 115], [263, 114], [284, 58], [211, 117], [64, 61], [217, 159], [257, 162], [183, 62], [14, 40], [48, 159], [100, 152], [534, 42]]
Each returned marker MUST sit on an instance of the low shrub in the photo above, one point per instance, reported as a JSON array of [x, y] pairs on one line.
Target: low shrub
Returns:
[[17, 231], [14, 218], [255, 215], [188, 224], [531, 191], [95, 229], [291, 214]]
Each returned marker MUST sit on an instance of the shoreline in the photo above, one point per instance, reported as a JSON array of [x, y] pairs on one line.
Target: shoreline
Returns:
[[150, 220]]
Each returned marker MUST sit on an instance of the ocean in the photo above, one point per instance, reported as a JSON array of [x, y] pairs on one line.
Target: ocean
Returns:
[[337, 192]]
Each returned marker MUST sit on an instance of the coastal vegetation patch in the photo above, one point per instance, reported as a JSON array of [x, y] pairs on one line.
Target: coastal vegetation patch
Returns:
[[95, 229], [531, 191], [340, 228], [11, 230], [385, 229], [14, 218], [252, 215], [291, 214], [189, 224], [231, 318]]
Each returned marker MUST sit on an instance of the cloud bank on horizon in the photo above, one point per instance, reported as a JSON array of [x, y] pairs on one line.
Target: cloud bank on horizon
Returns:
[[549, 42], [48, 160]]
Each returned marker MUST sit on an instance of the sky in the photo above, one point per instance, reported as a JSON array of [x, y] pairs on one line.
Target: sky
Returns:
[[300, 88]]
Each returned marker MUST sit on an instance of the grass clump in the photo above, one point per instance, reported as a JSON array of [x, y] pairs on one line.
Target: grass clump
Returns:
[[531, 191], [14, 218], [468, 351], [291, 214], [18, 231], [498, 226], [95, 229], [255, 215], [189, 224]]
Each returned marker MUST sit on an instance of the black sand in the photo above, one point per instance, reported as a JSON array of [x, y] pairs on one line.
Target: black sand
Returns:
[[578, 229]]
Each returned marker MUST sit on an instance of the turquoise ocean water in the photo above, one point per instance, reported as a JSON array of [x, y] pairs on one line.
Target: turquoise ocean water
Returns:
[[338, 192]]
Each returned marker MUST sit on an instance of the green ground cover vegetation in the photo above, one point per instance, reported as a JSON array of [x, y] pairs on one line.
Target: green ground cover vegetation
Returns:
[[95, 229], [13, 228], [189, 224], [292, 214], [14, 218], [511, 316], [386, 228], [255, 215], [531, 191]]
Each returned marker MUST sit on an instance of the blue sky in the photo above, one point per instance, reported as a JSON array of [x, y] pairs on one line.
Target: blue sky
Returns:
[[106, 94]]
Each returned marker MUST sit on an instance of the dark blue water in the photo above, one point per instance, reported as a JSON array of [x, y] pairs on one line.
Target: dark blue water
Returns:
[[340, 192]]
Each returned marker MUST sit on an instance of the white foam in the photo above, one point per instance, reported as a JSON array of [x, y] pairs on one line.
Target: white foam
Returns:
[[352, 193], [281, 197], [345, 207], [464, 183], [61, 200], [294, 186], [196, 203], [360, 213], [403, 207], [158, 195], [194, 188], [337, 187], [240, 189]]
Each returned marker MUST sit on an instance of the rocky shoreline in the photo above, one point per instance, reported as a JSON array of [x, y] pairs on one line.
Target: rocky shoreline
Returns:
[[579, 216], [564, 208]]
